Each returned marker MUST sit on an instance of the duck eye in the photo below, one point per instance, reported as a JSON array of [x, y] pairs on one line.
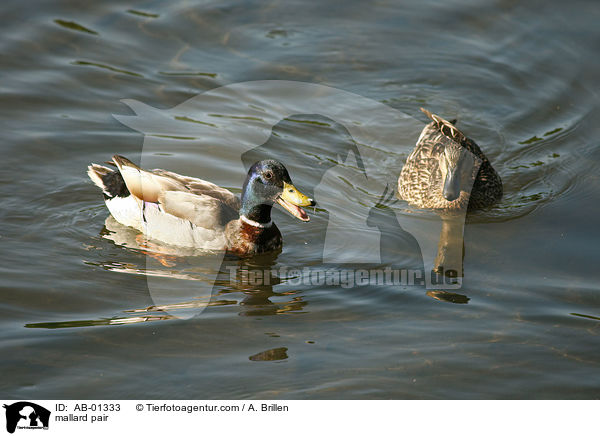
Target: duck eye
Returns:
[[268, 175]]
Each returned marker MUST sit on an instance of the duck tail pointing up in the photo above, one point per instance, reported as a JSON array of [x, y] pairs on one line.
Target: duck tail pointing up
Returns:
[[121, 162], [110, 181], [446, 127], [96, 172]]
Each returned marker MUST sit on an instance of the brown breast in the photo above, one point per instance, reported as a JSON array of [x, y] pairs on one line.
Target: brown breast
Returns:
[[246, 239]]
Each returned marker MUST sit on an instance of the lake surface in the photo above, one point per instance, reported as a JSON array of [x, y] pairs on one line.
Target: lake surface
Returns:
[[92, 311]]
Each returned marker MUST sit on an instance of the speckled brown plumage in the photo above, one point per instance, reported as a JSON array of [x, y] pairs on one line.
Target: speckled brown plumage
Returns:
[[421, 181]]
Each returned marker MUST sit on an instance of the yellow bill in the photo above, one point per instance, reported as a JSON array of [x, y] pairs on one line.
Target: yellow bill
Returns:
[[290, 199]]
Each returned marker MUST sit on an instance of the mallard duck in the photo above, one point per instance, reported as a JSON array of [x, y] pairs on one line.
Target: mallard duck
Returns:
[[440, 171], [189, 212]]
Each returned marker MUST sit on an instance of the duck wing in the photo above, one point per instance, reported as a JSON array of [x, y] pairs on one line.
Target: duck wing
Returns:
[[200, 210], [202, 203], [202, 187]]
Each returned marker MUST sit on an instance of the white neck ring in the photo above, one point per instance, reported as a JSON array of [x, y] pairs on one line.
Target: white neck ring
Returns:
[[256, 223]]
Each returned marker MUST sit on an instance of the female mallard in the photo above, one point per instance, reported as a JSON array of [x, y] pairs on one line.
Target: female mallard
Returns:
[[448, 171], [190, 212]]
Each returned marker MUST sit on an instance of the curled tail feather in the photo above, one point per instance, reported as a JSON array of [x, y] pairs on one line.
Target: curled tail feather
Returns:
[[450, 129], [110, 181]]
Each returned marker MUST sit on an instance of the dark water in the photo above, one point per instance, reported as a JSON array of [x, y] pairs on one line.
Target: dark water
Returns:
[[78, 320]]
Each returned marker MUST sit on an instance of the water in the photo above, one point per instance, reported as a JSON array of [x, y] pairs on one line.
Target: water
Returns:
[[78, 320]]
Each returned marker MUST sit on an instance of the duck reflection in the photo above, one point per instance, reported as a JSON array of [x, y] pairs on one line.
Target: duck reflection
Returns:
[[451, 247], [253, 277], [448, 173], [397, 246], [400, 248]]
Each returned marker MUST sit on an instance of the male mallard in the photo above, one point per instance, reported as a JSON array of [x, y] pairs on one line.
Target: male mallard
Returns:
[[442, 168], [190, 212]]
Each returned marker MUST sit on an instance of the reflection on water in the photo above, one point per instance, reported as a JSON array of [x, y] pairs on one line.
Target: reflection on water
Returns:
[[451, 247], [268, 355], [397, 246], [450, 297], [74, 26], [91, 323], [253, 278]]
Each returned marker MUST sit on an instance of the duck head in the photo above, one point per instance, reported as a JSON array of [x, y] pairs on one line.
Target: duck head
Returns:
[[455, 164], [269, 182]]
